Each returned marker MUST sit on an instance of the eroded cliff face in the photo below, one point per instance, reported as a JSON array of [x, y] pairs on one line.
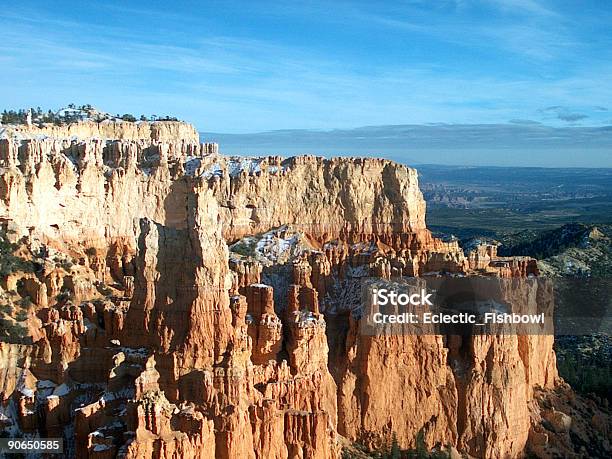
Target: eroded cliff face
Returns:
[[160, 131], [187, 304]]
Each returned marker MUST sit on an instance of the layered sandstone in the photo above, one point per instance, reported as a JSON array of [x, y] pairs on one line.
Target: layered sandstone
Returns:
[[189, 304], [161, 131]]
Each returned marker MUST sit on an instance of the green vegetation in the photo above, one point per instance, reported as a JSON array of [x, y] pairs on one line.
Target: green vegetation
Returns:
[[12, 318], [12, 332], [245, 247], [63, 296], [25, 302], [9, 263], [21, 316], [584, 363], [392, 450], [104, 289], [548, 243], [66, 264], [498, 201], [71, 114], [563, 217], [585, 378], [20, 116]]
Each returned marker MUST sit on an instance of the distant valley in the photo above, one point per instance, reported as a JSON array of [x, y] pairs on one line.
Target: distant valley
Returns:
[[562, 217]]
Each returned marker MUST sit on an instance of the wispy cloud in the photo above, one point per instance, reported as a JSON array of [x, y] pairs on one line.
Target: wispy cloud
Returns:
[[525, 28], [524, 122], [525, 7], [395, 63], [564, 113]]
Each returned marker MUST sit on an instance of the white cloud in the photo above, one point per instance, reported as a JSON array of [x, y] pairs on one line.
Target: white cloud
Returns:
[[524, 6], [232, 83]]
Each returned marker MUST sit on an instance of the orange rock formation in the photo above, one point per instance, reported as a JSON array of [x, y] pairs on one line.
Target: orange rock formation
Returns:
[[157, 341]]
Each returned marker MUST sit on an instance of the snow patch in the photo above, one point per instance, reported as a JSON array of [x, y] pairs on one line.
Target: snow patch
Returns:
[[214, 170], [237, 165], [61, 390], [192, 164], [45, 384], [358, 271]]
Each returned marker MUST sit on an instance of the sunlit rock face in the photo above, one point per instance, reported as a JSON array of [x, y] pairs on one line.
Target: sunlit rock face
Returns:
[[159, 131], [189, 304]]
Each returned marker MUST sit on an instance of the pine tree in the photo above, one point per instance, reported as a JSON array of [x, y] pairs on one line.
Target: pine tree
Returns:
[[395, 449], [421, 448]]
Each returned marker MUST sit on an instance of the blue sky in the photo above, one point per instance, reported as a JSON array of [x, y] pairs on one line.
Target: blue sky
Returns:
[[240, 67]]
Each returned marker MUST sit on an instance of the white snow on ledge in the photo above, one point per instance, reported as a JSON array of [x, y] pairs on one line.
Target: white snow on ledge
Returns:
[[213, 170], [192, 164], [279, 245], [234, 165], [237, 165]]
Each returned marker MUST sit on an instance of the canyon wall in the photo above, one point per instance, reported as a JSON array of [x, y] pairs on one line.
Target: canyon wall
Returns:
[[188, 304], [159, 131]]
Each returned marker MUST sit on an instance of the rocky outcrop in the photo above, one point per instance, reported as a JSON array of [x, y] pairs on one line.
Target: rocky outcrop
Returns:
[[161, 131], [189, 304]]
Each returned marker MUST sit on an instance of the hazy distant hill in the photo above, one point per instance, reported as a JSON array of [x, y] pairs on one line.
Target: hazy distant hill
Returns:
[[461, 144]]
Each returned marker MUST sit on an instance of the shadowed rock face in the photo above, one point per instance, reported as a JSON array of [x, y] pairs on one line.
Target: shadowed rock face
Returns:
[[168, 344]]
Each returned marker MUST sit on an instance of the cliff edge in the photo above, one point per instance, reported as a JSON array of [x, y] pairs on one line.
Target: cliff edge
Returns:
[[169, 301], [160, 131]]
